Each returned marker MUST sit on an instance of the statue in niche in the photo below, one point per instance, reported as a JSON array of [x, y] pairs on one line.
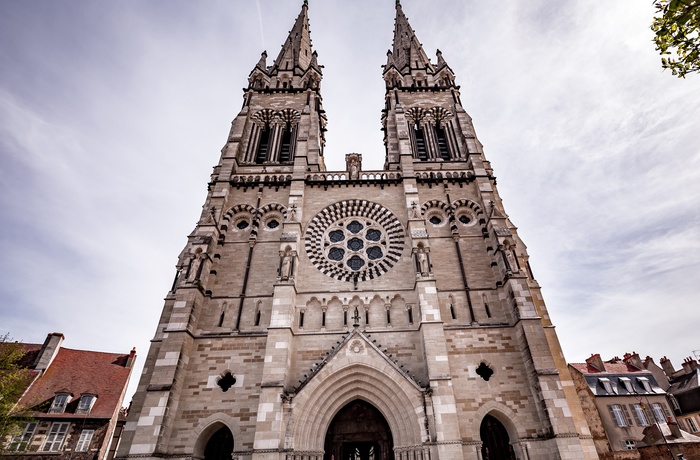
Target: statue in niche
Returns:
[[422, 261], [286, 264], [292, 213], [353, 163], [512, 262], [195, 269], [415, 213]]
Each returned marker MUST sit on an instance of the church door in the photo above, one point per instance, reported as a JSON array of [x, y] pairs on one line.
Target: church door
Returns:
[[495, 440], [359, 432], [219, 446]]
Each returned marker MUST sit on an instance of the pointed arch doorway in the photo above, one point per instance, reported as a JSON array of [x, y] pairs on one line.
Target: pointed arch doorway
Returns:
[[359, 432], [220, 445], [495, 440]]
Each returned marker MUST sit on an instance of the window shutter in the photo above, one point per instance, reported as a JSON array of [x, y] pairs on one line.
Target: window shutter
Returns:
[[627, 415]]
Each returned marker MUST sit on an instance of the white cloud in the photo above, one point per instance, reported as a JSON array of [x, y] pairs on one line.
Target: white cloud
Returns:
[[113, 114]]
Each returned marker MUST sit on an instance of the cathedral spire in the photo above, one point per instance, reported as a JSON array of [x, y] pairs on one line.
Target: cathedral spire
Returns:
[[296, 53], [408, 53], [296, 66]]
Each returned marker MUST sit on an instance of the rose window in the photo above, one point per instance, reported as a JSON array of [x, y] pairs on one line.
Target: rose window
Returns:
[[354, 240]]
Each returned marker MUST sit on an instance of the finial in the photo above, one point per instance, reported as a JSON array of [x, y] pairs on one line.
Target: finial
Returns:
[[306, 2], [398, 4]]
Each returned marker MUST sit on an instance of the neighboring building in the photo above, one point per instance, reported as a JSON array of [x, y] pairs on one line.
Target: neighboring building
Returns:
[[627, 410], [74, 399], [354, 314], [685, 393]]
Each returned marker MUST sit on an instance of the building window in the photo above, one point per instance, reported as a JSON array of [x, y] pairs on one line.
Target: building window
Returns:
[[56, 435], [659, 412], [618, 414], [640, 415], [263, 144], [644, 382], [627, 383], [84, 441], [286, 147], [606, 385], [442, 143], [420, 143], [691, 424], [85, 404], [629, 444], [60, 401], [20, 443], [674, 403]]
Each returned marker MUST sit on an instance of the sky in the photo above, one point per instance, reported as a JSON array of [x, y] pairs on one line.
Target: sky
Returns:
[[112, 115]]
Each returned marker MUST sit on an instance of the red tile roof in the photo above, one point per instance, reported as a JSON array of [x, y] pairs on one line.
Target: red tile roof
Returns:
[[80, 372]]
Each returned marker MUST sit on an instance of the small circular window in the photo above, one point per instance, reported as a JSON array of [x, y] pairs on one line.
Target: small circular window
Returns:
[[435, 220], [465, 217], [242, 224], [272, 224]]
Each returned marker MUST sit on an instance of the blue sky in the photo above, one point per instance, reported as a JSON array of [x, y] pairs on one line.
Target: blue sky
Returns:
[[112, 115]]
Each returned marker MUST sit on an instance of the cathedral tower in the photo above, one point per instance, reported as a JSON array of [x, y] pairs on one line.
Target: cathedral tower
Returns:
[[354, 314]]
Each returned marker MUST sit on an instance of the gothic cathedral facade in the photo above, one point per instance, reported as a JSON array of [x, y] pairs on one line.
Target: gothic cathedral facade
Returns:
[[354, 315]]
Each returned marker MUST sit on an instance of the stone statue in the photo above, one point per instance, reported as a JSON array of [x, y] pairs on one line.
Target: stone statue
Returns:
[[292, 213], [423, 264], [286, 265]]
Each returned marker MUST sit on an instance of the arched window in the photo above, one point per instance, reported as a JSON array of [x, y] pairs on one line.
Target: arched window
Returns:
[[420, 143], [441, 136], [263, 145], [286, 146]]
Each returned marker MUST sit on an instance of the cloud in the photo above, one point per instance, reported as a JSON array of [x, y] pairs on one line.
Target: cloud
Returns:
[[114, 113]]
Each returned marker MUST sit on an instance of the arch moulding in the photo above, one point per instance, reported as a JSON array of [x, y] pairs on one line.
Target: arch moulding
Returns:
[[352, 375]]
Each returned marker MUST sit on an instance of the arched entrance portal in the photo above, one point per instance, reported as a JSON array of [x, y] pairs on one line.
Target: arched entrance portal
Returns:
[[359, 432], [220, 445], [495, 440]]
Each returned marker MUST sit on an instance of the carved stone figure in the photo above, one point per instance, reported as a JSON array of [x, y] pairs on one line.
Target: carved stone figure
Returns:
[[423, 264], [286, 265]]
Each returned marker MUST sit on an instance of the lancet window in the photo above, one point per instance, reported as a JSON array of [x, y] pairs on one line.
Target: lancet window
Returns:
[[432, 134], [273, 136]]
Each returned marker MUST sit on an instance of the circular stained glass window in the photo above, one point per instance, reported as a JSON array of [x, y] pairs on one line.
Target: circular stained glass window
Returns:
[[354, 239], [374, 235], [374, 253], [336, 235], [355, 263], [355, 244], [355, 226]]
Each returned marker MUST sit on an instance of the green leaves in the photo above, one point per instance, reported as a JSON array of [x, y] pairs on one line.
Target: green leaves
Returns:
[[677, 35]]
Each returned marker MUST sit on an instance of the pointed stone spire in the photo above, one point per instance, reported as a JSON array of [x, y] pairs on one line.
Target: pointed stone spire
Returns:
[[407, 51], [262, 63], [296, 53]]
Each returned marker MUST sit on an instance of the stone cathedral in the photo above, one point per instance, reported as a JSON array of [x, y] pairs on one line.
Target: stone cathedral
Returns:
[[354, 315]]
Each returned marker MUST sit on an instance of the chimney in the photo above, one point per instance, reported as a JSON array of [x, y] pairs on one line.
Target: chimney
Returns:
[[48, 351], [689, 365], [633, 359], [130, 360], [667, 367], [673, 426], [596, 362]]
